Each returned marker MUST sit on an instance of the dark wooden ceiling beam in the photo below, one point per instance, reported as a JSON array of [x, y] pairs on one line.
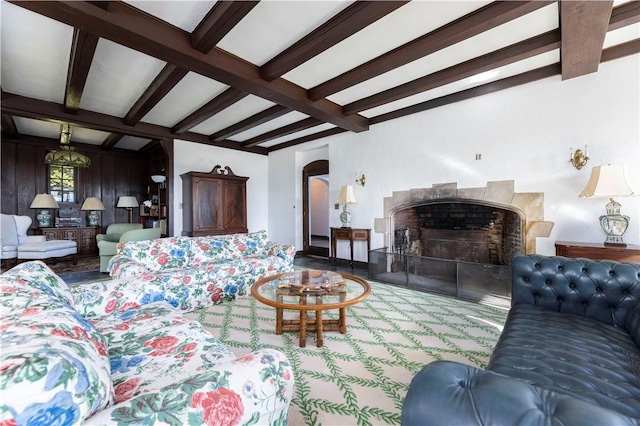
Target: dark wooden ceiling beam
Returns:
[[625, 14], [158, 89], [484, 19], [23, 106], [307, 138], [9, 126], [83, 48], [126, 25], [251, 122], [223, 16], [495, 86], [283, 131], [507, 55], [621, 50], [349, 21], [111, 141], [583, 25], [214, 106]]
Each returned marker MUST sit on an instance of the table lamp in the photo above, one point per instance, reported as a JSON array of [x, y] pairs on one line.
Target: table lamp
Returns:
[[608, 182], [128, 202], [346, 197], [93, 204], [44, 202]]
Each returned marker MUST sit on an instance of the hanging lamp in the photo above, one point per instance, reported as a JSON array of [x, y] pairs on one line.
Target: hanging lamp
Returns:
[[67, 155]]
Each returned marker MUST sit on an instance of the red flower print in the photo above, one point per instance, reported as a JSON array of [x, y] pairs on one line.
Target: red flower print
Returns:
[[163, 259], [30, 311], [123, 326], [286, 375], [187, 280], [110, 306], [242, 247], [210, 287], [245, 359], [126, 390], [154, 252], [8, 422], [215, 297], [162, 345], [189, 347], [61, 333], [220, 407], [129, 305], [232, 271]]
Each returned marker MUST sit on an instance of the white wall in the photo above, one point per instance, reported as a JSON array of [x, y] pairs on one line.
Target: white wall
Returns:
[[524, 134], [191, 156]]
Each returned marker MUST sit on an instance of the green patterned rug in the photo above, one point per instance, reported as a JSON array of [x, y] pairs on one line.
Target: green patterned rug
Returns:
[[362, 377]]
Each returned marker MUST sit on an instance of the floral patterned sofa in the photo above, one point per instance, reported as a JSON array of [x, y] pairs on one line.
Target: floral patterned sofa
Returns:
[[123, 363], [200, 271]]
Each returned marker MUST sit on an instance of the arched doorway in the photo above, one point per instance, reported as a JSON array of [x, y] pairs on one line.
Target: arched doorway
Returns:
[[315, 208]]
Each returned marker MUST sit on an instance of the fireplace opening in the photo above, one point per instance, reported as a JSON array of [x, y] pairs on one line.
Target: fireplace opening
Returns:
[[457, 230]]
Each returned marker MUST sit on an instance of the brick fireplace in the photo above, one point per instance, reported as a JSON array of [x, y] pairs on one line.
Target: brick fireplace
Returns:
[[458, 241]]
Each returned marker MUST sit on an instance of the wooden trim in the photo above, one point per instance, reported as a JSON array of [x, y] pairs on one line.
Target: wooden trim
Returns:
[[349, 21], [476, 22], [621, 50], [111, 141], [9, 126], [507, 55], [283, 131], [223, 16], [128, 26], [158, 89], [251, 122], [211, 108], [583, 25]]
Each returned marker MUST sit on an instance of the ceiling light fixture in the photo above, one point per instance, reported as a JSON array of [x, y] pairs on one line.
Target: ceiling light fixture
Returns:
[[67, 156]]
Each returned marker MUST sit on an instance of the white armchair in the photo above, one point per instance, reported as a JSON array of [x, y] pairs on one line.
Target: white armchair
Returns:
[[16, 244], [13, 233]]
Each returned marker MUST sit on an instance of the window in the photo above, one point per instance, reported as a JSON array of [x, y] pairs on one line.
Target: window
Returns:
[[62, 183]]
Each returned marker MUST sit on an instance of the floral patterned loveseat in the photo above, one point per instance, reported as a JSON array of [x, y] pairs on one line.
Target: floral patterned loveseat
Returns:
[[200, 271], [123, 363]]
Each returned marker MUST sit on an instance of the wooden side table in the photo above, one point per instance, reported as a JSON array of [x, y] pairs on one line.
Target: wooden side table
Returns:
[[84, 236], [350, 234], [598, 251]]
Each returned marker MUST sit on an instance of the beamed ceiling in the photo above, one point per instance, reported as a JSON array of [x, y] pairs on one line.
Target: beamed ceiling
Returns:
[[262, 76]]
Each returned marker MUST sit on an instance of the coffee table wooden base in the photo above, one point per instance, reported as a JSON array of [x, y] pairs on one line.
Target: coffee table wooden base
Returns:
[[309, 324]]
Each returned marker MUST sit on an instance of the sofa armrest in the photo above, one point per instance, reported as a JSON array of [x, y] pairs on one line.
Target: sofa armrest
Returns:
[[253, 389], [121, 266], [107, 248], [114, 238], [284, 251], [450, 393], [605, 291]]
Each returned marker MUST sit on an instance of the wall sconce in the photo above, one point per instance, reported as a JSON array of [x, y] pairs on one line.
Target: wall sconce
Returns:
[[361, 180], [578, 159]]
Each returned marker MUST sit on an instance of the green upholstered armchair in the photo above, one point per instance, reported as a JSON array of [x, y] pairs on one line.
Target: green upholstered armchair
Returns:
[[120, 232]]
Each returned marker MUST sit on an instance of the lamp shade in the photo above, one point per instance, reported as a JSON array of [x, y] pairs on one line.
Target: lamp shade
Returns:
[[92, 203], [346, 195], [44, 201], [128, 202], [158, 178], [607, 181]]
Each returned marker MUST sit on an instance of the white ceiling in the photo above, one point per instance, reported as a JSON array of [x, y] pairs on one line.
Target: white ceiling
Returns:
[[35, 53]]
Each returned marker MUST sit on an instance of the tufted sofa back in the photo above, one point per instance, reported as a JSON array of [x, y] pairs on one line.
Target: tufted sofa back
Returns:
[[606, 291]]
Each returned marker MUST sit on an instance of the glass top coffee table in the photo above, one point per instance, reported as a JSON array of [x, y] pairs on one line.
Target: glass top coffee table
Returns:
[[311, 291]]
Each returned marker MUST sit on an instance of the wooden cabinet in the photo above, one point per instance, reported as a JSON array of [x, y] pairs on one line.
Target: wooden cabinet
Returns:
[[84, 236], [598, 251], [214, 203]]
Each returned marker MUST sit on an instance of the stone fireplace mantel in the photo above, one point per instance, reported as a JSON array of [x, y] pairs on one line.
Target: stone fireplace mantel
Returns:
[[530, 206]]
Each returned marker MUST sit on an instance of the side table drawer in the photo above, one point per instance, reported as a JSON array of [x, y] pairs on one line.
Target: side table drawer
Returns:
[[359, 234], [342, 234]]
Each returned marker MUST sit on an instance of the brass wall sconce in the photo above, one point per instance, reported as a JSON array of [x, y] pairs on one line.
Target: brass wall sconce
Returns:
[[361, 180], [579, 158]]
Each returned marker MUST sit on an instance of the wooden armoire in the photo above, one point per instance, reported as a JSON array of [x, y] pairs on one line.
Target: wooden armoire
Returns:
[[214, 203]]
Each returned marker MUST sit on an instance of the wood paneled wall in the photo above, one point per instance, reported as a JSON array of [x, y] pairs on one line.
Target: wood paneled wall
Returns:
[[112, 174]]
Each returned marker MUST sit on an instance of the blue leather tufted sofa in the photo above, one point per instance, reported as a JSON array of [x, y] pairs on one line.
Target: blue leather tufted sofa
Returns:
[[568, 354]]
